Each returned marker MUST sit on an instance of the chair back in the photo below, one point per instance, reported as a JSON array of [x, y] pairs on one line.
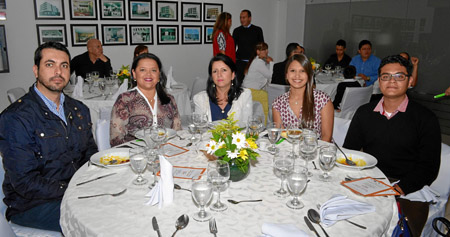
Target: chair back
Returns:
[[198, 85], [353, 98], [340, 129], [275, 90], [102, 134], [15, 93], [262, 97]]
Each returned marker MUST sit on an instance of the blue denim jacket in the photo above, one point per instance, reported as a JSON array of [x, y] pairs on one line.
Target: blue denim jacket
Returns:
[[40, 153]]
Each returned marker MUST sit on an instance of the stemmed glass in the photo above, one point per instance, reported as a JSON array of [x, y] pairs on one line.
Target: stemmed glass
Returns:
[[218, 175], [255, 125], [110, 83], [201, 123], [201, 193], [138, 162], [297, 181], [102, 86], [153, 162], [89, 80], [327, 158], [274, 133], [282, 166], [308, 146], [194, 130], [95, 75], [328, 68], [293, 136], [158, 134]]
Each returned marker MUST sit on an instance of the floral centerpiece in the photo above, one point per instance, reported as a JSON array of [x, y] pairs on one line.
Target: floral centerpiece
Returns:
[[231, 145], [315, 65], [124, 73]]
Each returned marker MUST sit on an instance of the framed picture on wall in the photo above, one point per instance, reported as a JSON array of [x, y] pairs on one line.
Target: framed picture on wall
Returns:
[[166, 11], [167, 34], [49, 9], [83, 9], [141, 34], [191, 11], [55, 33], [112, 9], [191, 34], [140, 10], [82, 33], [114, 34], [208, 30], [211, 11]]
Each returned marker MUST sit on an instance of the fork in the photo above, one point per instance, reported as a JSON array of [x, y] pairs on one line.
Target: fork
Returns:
[[213, 227], [237, 202], [180, 137], [104, 194]]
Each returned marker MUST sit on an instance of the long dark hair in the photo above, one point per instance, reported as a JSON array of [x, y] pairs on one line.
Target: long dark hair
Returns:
[[235, 89], [162, 95], [222, 24], [259, 46], [308, 98]]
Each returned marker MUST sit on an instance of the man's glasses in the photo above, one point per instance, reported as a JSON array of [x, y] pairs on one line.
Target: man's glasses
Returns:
[[397, 76]]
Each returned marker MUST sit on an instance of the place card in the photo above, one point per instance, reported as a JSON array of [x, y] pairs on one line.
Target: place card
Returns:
[[369, 186], [171, 150], [181, 172]]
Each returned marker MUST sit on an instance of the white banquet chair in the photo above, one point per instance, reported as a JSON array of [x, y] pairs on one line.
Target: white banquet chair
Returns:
[[198, 85], [352, 99], [340, 129], [15, 93], [274, 90]]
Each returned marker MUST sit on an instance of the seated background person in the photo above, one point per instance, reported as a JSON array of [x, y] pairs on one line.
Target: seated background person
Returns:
[[259, 69], [44, 138], [365, 63], [415, 62], [349, 73], [279, 69], [146, 105], [224, 95], [340, 58], [303, 104], [403, 135], [92, 60]]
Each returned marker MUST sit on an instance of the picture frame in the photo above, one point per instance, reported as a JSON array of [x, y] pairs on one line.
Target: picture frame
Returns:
[[80, 34], [191, 34], [191, 11], [166, 11], [112, 9], [167, 34], [4, 65], [141, 34], [55, 33], [211, 11], [83, 9], [140, 10], [114, 34], [49, 9], [207, 32]]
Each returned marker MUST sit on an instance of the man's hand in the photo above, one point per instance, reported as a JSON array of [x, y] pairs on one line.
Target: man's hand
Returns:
[[447, 92], [102, 57], [414, 60], [364, 77]]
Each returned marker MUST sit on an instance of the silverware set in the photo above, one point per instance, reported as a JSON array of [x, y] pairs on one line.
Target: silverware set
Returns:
[[182, 222]]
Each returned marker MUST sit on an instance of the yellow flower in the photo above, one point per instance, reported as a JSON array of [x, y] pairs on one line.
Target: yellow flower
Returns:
[[243, 154], [125, 71], [251, 143]]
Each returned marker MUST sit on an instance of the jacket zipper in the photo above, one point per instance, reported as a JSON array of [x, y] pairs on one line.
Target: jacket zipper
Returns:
[[66, 136]]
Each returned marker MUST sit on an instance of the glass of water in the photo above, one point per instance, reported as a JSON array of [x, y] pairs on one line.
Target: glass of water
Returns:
[[296, 181], [293, 136], [218, 175], [327, 159], [282, 166], [95, 75], [308, 146], [274, 133], [102, 86], [201, 193], [138, 162]]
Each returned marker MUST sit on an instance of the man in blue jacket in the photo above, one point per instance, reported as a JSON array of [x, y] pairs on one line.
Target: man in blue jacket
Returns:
[[45, 137]]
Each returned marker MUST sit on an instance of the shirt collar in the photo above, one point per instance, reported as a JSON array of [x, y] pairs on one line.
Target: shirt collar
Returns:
[[50, 104], [401, 108], [248, 25]]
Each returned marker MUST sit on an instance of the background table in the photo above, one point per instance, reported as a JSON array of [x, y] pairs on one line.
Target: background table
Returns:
[[328, 83], [126, 215]]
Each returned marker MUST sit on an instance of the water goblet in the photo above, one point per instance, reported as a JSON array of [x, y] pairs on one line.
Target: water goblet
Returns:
[[328, 68], [158, 134], [89, 80], [201, 123], [282, 166], [297, 181], [218, 174], [293, 136], [138, 162], [102, 86], [153, 163], [201, 193], [327, 159], [95, 75], [254, 126], [338, 69], [109, 83], [274, 133], [308, 147]]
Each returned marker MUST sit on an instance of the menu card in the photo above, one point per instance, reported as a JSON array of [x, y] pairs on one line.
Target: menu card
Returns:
[[181, 172], [369, 186], [171, 150]]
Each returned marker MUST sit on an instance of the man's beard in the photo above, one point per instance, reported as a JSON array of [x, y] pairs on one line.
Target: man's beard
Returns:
[[54, 88]]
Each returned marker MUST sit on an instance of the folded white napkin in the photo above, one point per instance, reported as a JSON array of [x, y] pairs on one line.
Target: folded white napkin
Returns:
[[102, 134], [78, 89], [281, 230], [122, 89], [339, 207], [426, 194], [162, 193], [170, 81]]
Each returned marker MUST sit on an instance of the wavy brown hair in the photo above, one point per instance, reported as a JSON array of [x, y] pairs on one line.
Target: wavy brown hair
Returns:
[[222, 24], [259, 46]]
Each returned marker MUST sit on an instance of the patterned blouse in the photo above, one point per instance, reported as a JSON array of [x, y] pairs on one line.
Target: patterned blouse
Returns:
[[281, 104], [132, 113]]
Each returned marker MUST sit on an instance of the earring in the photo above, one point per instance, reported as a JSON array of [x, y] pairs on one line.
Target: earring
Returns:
[[214, 85], [232, 84]]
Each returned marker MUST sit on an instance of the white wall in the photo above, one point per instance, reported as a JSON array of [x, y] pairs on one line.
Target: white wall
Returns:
[[188, 61]]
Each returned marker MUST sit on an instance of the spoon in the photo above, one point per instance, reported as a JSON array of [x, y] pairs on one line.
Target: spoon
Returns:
[[182, 222], [237, 202], [176, 186], [314, 216], [347, 160]]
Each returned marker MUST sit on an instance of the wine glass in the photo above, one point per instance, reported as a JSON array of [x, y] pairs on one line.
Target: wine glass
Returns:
[[328, 68], [158, 134], [153, 162], [218, 175], [138, 162], [297, 181], [102, 86], [327, 158], [201, 123], [95, 75], [254, 126], [89, 80], [201, 193], [274, 133], [282, 166], [196, 136], [109, 83], [308, 146], [338, 69], [293, 136]]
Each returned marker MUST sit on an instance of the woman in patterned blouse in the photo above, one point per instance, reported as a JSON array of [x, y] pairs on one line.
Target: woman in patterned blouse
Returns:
[[146, 105], [302, 105]]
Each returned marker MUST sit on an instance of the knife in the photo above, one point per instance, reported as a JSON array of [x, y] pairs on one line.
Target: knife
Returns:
[[155, 226], [100, 177], [310, 226]]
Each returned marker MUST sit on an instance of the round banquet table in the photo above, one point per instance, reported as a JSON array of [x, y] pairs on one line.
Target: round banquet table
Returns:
[[328, 83], [127, 214]]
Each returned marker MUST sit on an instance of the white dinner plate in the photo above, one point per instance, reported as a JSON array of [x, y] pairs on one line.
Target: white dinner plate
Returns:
[[369, 159], [170, 133], [122, 152]]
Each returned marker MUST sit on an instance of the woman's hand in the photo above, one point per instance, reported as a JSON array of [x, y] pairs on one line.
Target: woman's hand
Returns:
[[447, 92]]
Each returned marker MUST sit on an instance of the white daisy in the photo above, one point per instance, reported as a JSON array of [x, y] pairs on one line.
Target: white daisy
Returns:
[[239, 140], [232, 155], [212, 147]]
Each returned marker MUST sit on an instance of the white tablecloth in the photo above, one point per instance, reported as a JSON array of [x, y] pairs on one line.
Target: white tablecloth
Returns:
[[328, 83], [126, 215]]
